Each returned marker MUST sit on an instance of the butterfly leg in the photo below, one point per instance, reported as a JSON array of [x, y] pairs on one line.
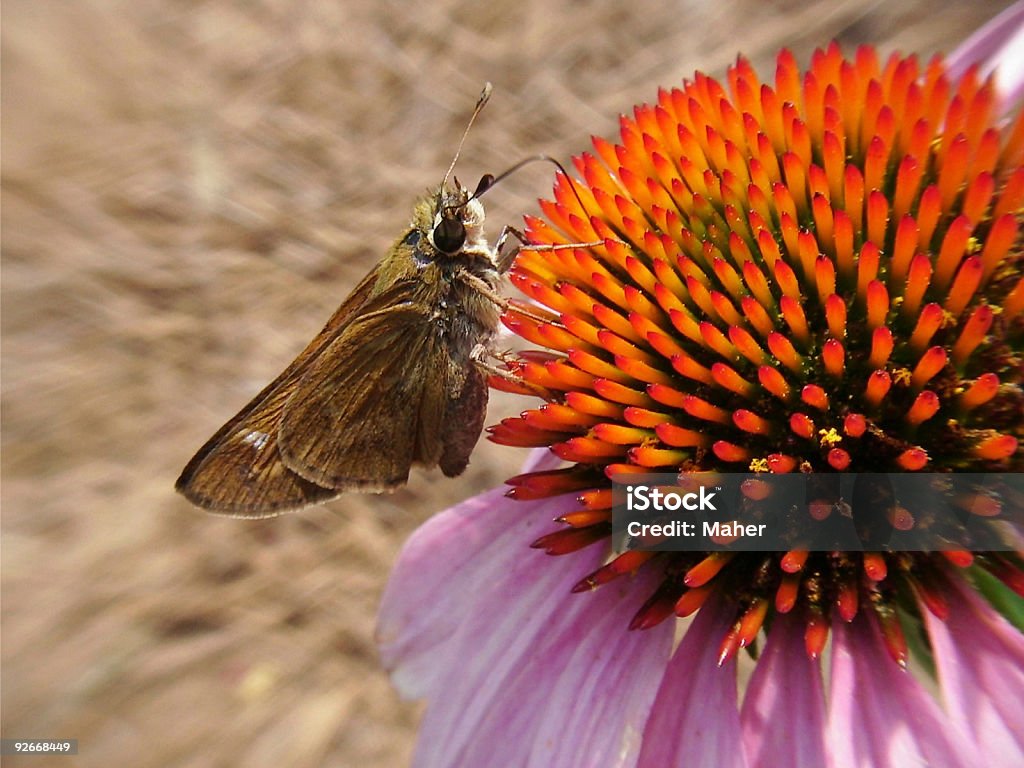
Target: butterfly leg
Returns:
[[485, 290], [482, 356], [504, 261]]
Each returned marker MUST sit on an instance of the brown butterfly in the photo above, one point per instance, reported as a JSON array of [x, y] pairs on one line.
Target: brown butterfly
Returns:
[[392, 380]]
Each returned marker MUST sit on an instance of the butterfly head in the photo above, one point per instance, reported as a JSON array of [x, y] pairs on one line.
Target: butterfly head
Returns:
[[458, 218]]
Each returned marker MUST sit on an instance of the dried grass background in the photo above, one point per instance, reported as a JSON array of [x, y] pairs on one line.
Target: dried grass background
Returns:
[[189, 189]]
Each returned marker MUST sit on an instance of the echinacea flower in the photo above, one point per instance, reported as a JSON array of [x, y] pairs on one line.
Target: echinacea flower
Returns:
[[819, 273]]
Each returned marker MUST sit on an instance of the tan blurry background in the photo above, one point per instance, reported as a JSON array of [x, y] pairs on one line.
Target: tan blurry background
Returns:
[[189, 189]]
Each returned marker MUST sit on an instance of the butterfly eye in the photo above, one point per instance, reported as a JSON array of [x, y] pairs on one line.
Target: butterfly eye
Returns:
[[449, 235]]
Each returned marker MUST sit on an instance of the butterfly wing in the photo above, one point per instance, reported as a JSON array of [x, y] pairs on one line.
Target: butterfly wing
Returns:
[[239, 470], [373, 404]]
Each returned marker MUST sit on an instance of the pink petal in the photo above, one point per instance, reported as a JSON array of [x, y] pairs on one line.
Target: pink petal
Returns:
[[426, 599], [539, 460], [879, 715], [998, 47], [980, 660], [420, 610], [783, 713], [517, 670], [578, 694], [695, 720]]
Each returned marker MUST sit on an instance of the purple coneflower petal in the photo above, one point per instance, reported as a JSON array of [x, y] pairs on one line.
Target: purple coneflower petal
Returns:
[[419, 612], [695, 720], [980, 660], [594, 716], [467, 623], [998, 47], [783, 714], [879, 715]]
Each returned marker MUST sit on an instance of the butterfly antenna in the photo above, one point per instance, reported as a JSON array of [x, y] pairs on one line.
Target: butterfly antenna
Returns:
[[489, 181], [485, 94]]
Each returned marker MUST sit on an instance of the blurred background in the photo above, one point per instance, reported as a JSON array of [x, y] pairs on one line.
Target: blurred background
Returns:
[[190, 187]]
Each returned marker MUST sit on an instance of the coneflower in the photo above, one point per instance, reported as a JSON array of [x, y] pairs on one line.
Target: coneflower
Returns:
[[820, 273]]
